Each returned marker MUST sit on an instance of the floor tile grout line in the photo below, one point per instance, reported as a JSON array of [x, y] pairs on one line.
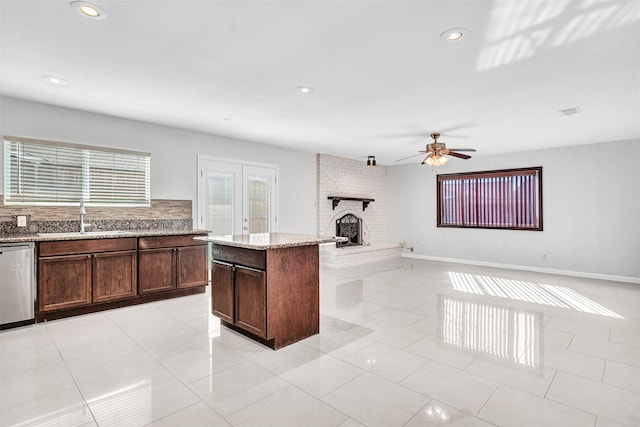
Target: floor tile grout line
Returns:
[[73, 378], [477, 414], [179, 410], [571, 407], [555, 374], [308, 394]]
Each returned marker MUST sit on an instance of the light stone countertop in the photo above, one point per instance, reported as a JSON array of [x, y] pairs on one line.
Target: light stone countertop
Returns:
[[52, 237], [268, 240]]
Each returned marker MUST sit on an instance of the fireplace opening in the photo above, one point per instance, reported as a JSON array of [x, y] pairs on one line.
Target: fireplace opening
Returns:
[[349, 226]]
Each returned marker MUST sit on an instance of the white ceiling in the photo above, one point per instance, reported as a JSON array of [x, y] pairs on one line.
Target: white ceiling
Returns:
[[383, 79]]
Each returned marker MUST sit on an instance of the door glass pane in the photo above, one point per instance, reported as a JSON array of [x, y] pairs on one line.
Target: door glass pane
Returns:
[[220, 204], [258, 205]]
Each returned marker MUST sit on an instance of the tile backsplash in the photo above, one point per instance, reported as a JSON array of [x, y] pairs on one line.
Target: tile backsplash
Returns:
[[161, 215]]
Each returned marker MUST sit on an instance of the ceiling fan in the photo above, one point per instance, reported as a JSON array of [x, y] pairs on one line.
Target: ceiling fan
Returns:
[[437, 151]]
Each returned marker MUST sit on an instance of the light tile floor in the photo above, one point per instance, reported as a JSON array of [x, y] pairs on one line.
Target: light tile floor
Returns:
[[402, 343]]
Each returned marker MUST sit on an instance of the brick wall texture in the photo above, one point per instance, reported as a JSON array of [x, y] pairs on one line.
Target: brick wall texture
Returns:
[[338, 176]]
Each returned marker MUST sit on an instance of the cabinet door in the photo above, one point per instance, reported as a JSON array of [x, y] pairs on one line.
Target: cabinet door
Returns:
[[222, 290], [114, 275], [192, 266], [64, 282], [251, 300], [156, 270]]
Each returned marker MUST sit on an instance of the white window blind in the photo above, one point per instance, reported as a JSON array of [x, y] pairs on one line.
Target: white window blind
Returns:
[[57, 173]]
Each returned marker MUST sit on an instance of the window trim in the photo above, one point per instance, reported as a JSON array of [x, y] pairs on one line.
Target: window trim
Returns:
[[86, 150], [535, 171]]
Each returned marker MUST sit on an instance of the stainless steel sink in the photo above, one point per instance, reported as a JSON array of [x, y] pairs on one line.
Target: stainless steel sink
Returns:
[[86, 233]]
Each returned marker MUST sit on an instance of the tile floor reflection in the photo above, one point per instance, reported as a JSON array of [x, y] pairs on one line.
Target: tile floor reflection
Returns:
[[402, 343]]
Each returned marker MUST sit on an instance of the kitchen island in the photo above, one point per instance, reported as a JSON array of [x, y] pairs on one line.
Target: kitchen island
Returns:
[[266, 286]]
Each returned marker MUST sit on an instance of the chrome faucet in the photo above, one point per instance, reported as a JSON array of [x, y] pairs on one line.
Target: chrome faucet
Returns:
[[83, 211]]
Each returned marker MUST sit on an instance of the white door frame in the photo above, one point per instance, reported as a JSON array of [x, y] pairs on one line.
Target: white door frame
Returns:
[[202, 187]]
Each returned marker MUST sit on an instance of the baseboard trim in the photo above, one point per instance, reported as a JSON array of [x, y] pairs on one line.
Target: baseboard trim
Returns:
[[626, 279]]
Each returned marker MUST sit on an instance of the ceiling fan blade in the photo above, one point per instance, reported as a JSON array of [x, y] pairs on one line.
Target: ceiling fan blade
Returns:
[[458, 155], [462, 149], [405, 158]]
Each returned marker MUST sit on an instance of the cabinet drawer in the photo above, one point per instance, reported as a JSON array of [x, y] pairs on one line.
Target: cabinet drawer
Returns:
[[169, 241], [248, 257], [69, 247]]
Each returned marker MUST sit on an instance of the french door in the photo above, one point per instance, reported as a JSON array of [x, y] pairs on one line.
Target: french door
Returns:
[[236, 198]]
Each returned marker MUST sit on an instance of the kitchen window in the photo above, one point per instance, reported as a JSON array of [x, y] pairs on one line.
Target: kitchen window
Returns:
[[504, 199], [56, 173]]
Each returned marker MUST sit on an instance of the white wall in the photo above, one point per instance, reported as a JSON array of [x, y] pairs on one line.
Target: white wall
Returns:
[[591, 205], [173, 154]]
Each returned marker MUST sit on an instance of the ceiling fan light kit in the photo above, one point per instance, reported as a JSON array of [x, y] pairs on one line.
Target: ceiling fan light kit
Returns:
[[435, 160], [437, 151]]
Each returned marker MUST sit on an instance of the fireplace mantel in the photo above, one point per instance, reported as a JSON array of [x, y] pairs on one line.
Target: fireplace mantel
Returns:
[[337, 199]]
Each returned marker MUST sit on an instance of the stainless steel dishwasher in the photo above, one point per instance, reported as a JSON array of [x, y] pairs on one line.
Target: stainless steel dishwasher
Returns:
[[17, 283]]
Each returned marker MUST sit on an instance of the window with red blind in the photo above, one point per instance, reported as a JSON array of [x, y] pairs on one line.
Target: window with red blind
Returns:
[[508, 199]]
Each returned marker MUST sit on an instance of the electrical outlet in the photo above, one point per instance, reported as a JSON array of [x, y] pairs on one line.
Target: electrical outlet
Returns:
[[22, 221]]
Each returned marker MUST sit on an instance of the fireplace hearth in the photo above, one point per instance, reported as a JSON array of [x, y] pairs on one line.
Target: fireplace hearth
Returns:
[[350, 227]]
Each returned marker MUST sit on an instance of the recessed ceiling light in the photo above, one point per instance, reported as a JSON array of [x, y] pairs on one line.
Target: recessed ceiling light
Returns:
[[89, 10], [453, 35], [304, 90], [56, 81]]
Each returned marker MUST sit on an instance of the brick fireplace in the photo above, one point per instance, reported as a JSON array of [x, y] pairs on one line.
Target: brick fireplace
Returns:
[[349, 189]]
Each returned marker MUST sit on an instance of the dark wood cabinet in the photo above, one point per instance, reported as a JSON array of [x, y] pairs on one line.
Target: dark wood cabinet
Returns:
[[64, 282], [191, 266], [87, 275], [271, 295], [114, 275], [238, 296], [171, 262], [92, 271], [251, 300], [155, 270], [222, 290]]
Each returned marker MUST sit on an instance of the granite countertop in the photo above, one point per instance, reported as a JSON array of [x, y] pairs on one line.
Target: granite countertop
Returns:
[[51, 237], [268, 240]]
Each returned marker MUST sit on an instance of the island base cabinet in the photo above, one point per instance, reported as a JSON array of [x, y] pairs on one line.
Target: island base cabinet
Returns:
[[293, 294], [272, 298], [222, 290], [238, 297], [251, 300]]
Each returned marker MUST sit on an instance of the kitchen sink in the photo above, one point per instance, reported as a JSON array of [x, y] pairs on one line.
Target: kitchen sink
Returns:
[[86, 233]]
